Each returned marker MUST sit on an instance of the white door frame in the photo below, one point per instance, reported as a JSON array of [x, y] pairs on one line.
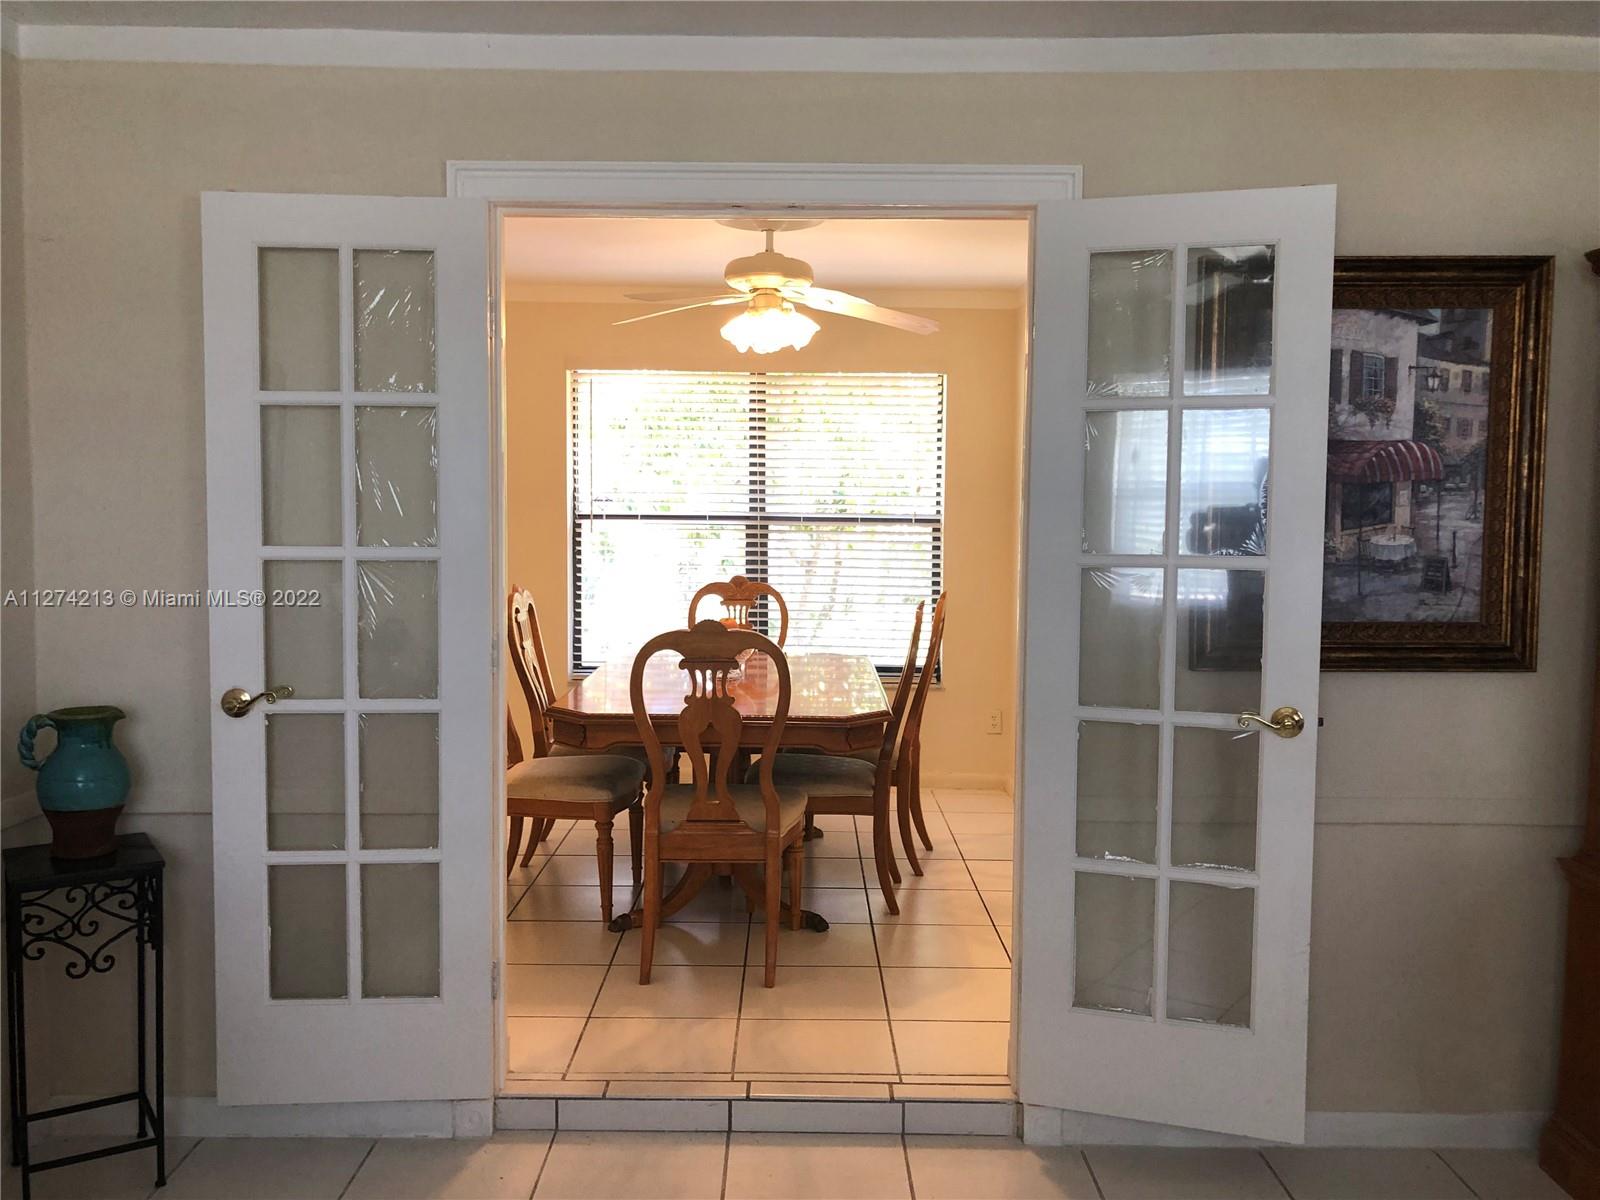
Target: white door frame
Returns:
[[718, 189]]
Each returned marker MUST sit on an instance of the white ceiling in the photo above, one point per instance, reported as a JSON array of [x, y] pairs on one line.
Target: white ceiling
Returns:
[[927, 253], [849, 18]]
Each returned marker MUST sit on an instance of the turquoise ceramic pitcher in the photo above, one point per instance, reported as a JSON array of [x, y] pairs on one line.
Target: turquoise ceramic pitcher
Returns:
[[83, 784]]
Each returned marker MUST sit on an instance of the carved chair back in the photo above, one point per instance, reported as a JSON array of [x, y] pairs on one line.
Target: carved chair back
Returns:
[[528, 660], [919, 698], [710, 725], [902, 700], [739, 597]]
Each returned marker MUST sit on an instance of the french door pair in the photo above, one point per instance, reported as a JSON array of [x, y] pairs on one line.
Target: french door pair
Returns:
[[1172, 558]]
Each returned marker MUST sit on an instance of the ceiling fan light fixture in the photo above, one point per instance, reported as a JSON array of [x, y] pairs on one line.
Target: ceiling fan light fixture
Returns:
[[768, 325]]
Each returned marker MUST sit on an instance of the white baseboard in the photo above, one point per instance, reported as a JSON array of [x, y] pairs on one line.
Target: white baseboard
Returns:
[[202, 1116], [968, 782], [1502, 1131]]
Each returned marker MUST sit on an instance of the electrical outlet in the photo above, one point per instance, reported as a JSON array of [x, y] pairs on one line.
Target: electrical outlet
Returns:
[[996, 721]]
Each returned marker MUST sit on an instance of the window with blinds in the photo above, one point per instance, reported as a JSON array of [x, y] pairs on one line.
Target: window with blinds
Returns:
[[828, 486]]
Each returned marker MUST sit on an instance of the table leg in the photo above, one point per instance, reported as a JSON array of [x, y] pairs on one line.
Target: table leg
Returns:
[[749, 877], [685, 890]]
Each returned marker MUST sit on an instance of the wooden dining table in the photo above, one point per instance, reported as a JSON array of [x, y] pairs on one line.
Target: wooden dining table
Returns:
[[837, 704]]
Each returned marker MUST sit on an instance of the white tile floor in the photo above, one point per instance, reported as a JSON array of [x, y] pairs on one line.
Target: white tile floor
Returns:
[[746, 1166], [922, 997]]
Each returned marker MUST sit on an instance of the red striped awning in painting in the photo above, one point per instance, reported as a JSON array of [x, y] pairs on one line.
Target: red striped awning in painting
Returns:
[[1383, 462]]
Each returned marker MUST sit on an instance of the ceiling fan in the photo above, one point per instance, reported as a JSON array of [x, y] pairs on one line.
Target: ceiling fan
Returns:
[[769, 285]]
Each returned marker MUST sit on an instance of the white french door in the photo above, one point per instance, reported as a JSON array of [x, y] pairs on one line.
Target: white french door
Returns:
[[348, 467], [1176, 457]]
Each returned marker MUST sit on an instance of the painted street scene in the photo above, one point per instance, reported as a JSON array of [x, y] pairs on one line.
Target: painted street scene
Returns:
[[1408, 423]]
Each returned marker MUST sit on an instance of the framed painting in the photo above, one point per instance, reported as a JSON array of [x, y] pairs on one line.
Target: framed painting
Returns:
[[1437, 373]]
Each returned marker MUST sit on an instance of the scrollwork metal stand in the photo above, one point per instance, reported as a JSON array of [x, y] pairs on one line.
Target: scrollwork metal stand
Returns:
[[84, 913]]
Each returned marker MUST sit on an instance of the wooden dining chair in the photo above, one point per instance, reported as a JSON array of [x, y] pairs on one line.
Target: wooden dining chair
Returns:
[[550, 787], [538, 689], [714, 820], [739, 597], [908, 762], [847, 785]]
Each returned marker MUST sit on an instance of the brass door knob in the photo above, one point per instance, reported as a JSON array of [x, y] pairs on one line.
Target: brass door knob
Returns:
[[236, 701], [1286, 722]]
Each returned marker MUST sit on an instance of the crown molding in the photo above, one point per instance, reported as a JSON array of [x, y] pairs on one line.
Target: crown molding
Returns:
[[877, 56]]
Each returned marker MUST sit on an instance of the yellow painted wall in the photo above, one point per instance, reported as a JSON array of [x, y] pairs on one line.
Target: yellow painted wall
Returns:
[[977, 348]]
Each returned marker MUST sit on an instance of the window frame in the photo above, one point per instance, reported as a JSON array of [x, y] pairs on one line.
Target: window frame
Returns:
[[757, 531]]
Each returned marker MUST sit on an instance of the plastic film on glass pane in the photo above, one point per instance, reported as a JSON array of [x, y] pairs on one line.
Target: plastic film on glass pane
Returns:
[[394, 298], [1223, 481], [398, 652], [1119, 652], [1221, 616], [397, 476], [1130, 323], [1124, 482]]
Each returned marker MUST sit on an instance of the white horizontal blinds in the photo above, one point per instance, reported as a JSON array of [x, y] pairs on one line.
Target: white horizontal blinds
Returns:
[[830, 486]]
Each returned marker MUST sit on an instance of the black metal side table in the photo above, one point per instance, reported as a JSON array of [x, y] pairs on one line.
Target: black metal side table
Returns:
[[81, 911]]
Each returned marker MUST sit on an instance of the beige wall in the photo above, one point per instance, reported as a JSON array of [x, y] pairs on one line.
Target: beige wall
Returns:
[[16, 476], [975, 348], [1442, 799]]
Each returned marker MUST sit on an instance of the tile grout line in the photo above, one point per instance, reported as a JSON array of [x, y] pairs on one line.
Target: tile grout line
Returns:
[[727, 1150], [883, 985], [1093, 1178], [1449, 1166], [345, 1190], [1267, 1162], [905, 1152], [593, 1004], [993, 924], [544, 1161], [738, 1019]]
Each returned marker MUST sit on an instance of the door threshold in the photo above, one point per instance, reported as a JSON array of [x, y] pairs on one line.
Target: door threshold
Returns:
[[705, 1087], [756, 1106]]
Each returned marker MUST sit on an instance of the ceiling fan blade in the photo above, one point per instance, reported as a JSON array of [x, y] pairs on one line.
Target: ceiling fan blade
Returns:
[[720, 300], [847, 305], [680, 294]]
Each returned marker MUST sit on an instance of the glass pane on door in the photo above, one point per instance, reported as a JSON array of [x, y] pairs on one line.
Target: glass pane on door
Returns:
[[1222, 481], [397, 476], [305, 627], [299, 320], [1130, 323], [398, 652], [1209, 953], [394, 320], [305, 781], [399, 929], [1118, 767], [1125, 482], [1115, 928], [1228, 339], [399, 780], [306, 912], [300, 477], [1119, 649]]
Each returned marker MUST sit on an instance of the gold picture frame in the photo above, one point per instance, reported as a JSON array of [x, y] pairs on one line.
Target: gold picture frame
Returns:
[[1438, 373]]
